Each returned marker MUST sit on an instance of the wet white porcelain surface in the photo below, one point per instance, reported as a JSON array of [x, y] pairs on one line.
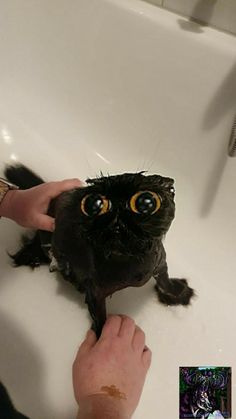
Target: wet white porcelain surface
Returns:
[[119, 86]]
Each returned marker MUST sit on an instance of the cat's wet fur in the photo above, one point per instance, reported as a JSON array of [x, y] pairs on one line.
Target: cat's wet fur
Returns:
[[102, 254], [105, 253]]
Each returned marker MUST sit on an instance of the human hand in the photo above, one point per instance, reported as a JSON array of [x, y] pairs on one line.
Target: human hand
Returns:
[[115, 365], [29, 207]]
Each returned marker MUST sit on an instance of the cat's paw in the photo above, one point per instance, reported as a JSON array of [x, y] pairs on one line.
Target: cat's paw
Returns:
[[26, 257], [178, 292]]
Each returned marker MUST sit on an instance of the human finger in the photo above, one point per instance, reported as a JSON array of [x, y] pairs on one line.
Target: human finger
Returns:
[[44, 222], [56, 188], [111, 327], [127, 328], [138, 341], [147, 357], [88, 342]]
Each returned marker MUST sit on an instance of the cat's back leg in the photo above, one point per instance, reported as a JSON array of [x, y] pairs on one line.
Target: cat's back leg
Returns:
[[31, 252]]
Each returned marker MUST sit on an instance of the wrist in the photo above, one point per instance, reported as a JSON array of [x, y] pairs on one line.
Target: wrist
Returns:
[[6, 204], [99, 406]]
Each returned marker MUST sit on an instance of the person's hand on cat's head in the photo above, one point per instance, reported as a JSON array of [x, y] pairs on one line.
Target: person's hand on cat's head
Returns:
[[29, 207]]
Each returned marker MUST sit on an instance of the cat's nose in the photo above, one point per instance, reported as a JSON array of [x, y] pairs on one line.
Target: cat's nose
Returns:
[[117, 228], [117, 224], [114, 221]]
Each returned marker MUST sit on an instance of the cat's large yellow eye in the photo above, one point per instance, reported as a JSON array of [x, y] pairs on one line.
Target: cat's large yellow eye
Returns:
[[95, 204], [145, 202]]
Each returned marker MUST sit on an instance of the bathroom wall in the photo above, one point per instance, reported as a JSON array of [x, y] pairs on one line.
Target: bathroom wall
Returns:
[[217, 13]]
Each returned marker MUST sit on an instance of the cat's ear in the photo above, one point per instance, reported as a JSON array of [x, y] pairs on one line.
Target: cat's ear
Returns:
[[96, 181], [166, 183], [90, 181]]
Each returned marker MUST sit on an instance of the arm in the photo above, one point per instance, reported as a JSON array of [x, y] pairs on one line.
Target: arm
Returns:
[[99, 406]]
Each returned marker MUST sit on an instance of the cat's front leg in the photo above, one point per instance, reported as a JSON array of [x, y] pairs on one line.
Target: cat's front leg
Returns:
[[171, 291]]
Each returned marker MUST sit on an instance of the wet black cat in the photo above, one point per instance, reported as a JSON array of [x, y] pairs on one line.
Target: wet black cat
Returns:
[[108, 236]]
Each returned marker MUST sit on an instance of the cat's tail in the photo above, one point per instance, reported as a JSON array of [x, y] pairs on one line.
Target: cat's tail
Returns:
[[21, 176], [7, 410]]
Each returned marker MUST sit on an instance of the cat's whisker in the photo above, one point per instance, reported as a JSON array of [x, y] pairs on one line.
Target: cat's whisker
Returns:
[[142, 163], [138, 168], [91, 170], [150, 166], [153, 154]]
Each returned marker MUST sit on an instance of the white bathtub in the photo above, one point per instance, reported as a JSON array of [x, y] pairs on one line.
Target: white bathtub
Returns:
[[119, 85]]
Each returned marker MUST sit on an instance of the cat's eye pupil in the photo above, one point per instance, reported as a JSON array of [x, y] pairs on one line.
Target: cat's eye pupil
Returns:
[[93, 205], [145, 203]]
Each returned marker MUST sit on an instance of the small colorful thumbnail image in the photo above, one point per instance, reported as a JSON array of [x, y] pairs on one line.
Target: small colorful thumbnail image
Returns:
[[204, 392]]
